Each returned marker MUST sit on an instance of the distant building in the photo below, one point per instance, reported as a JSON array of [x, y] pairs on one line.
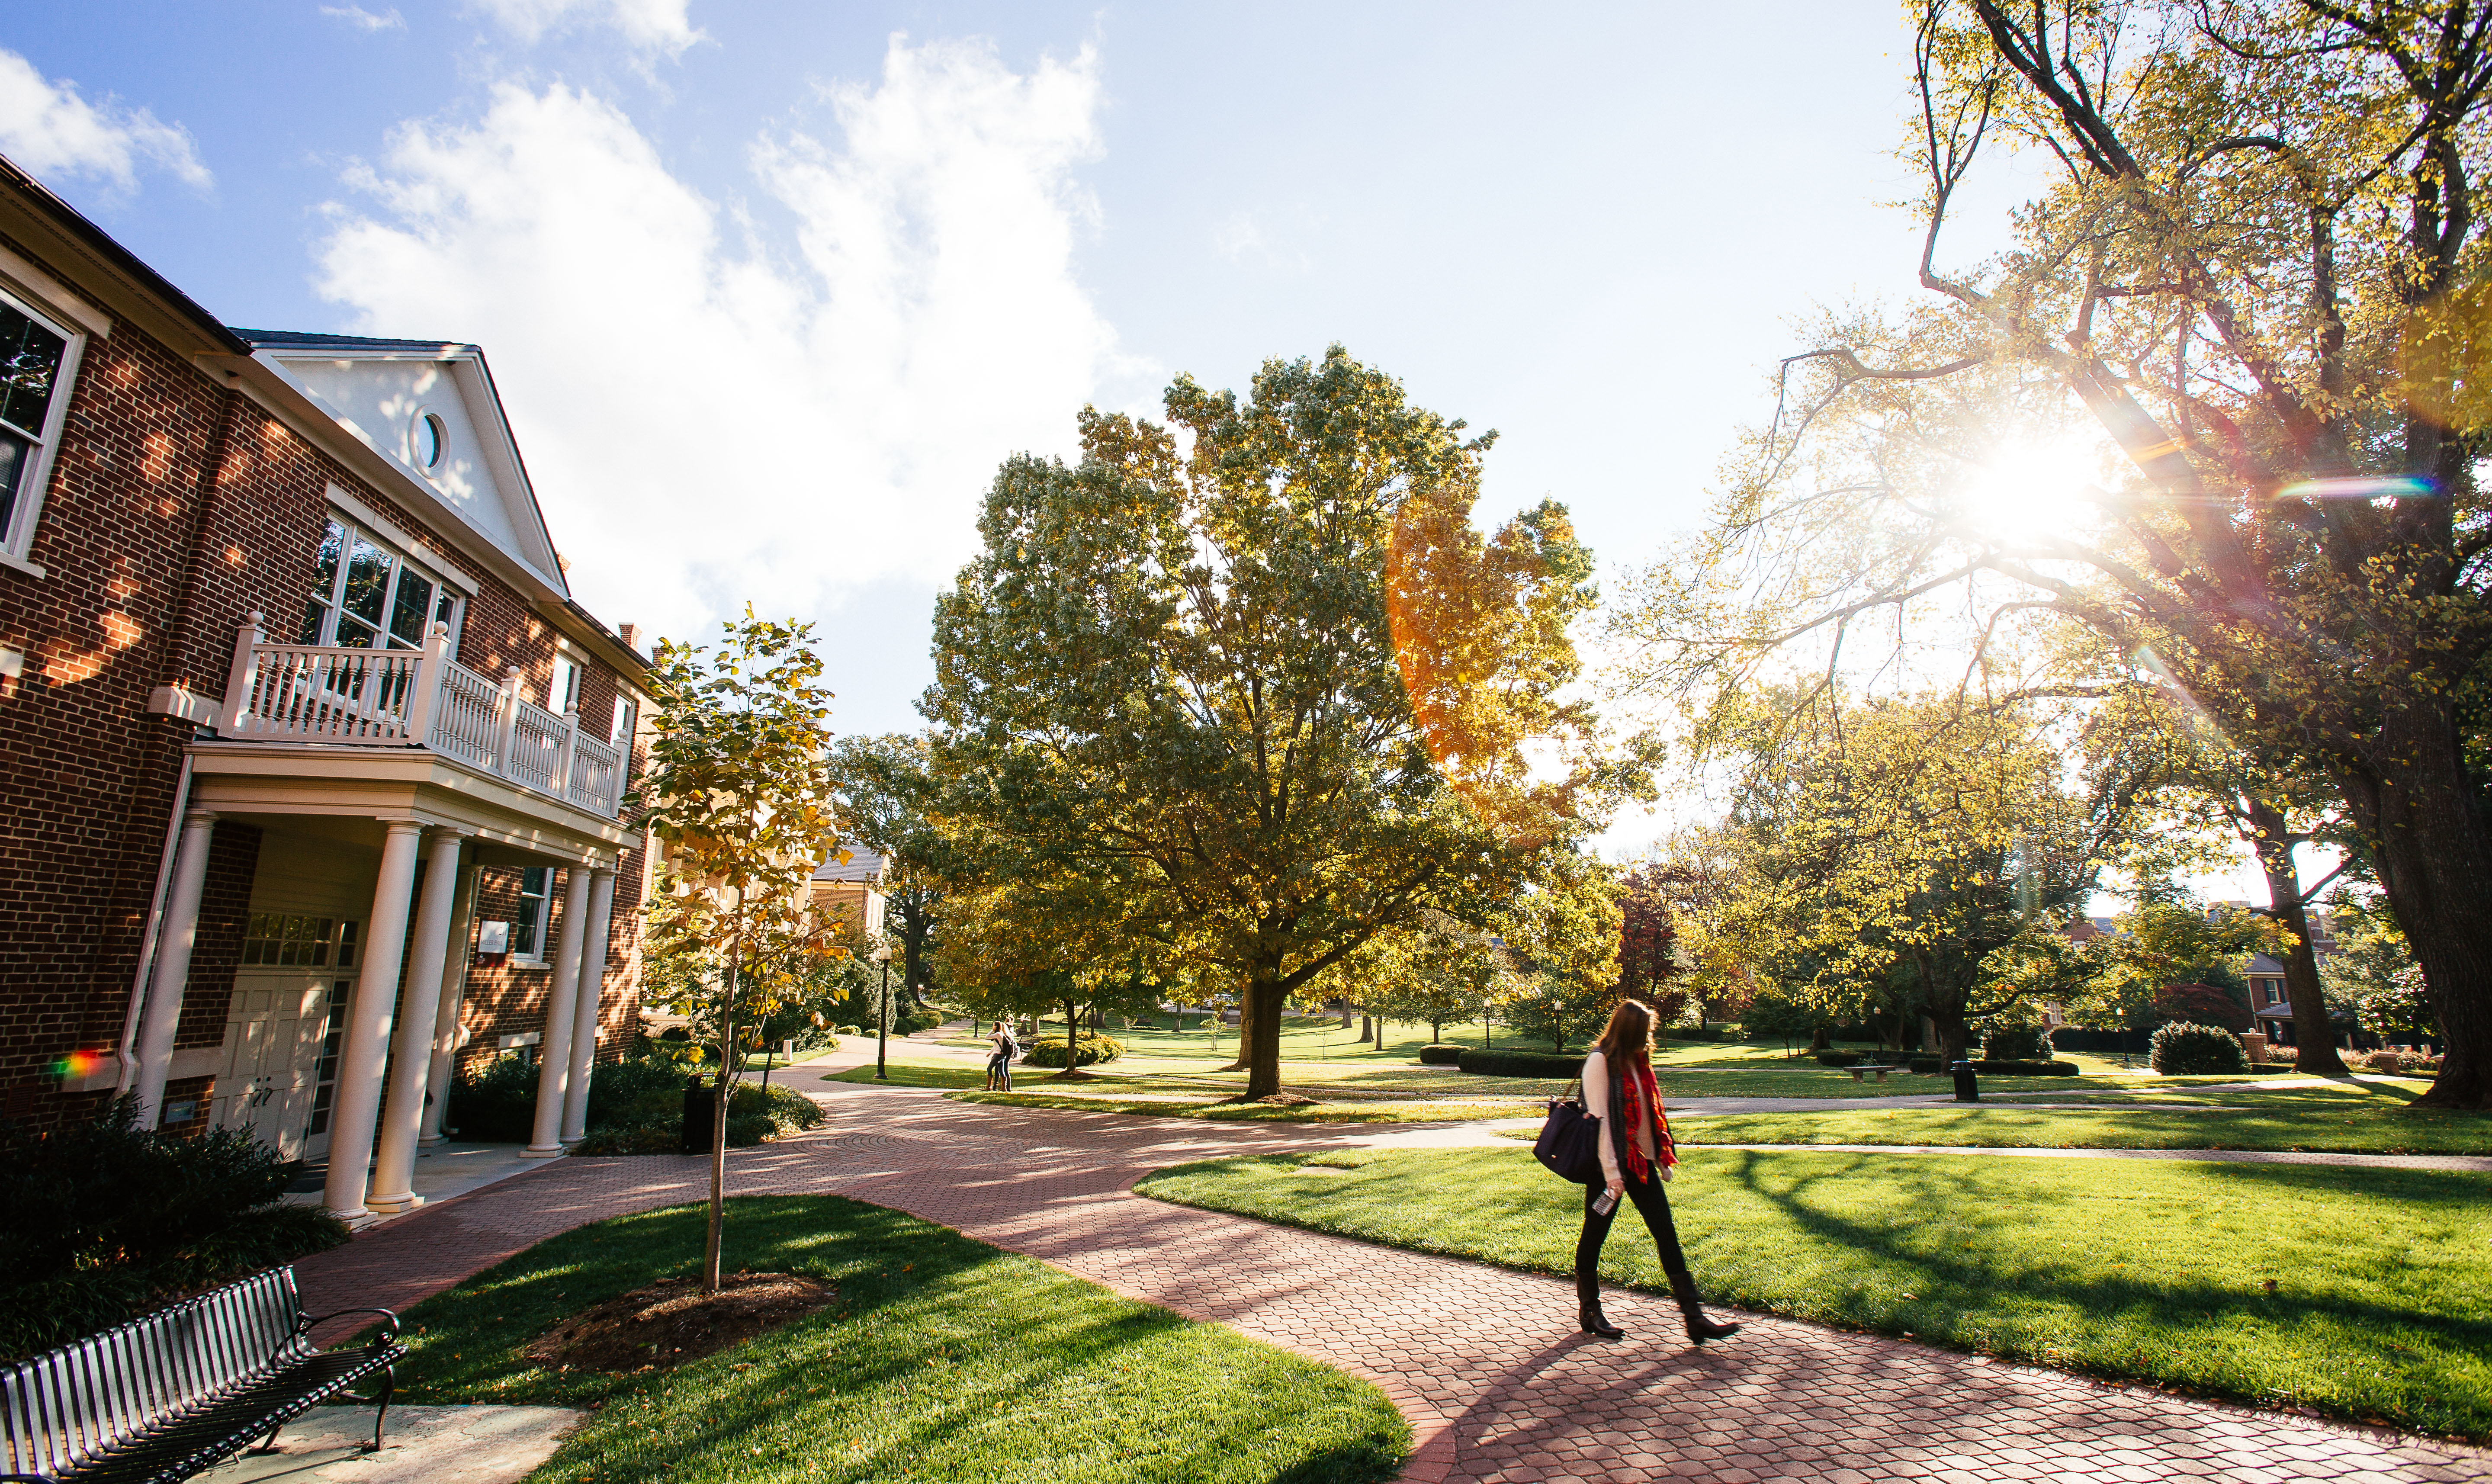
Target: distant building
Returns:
[[851, 889]]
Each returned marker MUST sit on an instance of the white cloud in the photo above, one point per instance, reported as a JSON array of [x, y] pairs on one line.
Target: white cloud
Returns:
[[52, 133], [648, 25], [708, 420], [356, 15]]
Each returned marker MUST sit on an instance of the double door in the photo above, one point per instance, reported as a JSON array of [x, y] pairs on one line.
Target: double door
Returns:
[[282, 1034]]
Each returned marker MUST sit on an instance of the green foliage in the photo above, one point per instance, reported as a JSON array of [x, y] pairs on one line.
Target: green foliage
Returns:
[[1090, 1049], [105, 1220], [1501, 1062], [1440, 1055], [2016, 1043], [1246, 691], [1840, 1058], [496, 1104], [2183, 1049]]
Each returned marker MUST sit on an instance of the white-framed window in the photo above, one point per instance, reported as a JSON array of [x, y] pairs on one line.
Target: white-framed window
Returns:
[[370, 595], [562, 692], [626, 720], [38, 362], [528, 920]]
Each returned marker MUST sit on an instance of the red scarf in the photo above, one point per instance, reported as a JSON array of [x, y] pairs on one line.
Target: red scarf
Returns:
[[1643, 1093]]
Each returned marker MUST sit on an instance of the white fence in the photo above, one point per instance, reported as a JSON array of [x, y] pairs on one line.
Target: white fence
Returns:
[[411, 697]]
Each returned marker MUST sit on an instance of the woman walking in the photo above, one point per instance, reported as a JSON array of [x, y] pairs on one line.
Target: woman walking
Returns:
[[1636, 1160]]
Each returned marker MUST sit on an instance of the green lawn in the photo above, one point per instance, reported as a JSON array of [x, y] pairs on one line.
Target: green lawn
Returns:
[[1177, 1097], [944, 1358], [2372, 1120], [2382, 1307]]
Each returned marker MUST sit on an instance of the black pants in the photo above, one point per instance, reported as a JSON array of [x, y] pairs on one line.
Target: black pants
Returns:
[[1653, 1204]]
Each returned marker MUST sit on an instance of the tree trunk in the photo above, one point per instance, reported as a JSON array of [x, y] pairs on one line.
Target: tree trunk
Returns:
[[2315, 1038], [1072, 1045], [1245, 1030], [1435, 1032], [714, 1245], [1820, 1038], [1261, 1038], [2436, 869], [1488, 1042]]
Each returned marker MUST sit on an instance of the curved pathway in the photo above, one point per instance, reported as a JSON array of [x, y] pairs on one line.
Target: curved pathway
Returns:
[[1485, 1362]]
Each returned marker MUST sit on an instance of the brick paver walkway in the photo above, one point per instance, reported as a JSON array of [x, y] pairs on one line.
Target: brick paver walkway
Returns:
[[1486, 1363]]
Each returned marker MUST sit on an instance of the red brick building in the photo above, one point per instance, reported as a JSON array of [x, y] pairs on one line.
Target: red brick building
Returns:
[[311, 769]]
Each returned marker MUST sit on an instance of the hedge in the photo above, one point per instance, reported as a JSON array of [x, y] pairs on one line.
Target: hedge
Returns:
[[2183, 1049], [1504, 1063], [1048, 1052], [1932, 1066], [1840, 1058], [1441, 1055]]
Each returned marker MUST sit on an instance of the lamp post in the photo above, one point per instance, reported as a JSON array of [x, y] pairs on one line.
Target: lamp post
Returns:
[[882, 1033]]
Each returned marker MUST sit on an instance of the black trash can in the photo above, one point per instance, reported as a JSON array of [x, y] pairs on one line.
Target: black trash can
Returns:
[[701, 1103], [1965, 1091]]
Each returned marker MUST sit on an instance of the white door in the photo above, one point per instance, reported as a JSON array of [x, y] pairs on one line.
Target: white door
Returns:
[[266, 1084]]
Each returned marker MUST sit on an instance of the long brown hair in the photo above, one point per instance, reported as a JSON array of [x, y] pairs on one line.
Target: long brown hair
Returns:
[[1629, 1033]]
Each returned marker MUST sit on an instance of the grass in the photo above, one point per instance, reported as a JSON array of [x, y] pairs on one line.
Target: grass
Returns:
[[2353, 1123], [1175, 1098], [2382, 1308], [944, 1358]]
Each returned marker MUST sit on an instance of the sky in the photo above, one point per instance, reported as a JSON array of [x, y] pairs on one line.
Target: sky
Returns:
[[769, 289]]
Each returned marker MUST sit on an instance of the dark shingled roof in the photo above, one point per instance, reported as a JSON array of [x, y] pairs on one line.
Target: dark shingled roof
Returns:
[[314, 339]]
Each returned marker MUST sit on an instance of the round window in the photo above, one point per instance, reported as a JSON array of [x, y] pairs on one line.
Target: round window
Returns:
[[432, 440]]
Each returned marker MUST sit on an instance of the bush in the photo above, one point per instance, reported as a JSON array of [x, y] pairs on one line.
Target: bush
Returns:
[[1092, 1049], [498, 1105], [1504, 1063], [1932, 1066], [2399, 1061], [2286, 1055], [106, 1220], [2073, 1038], [1840, 1058], [2017, 1043], [785, 1107], [2186, 1049], [1441, 1055]]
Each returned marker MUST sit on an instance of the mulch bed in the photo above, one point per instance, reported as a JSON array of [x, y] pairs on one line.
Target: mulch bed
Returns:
[[672, 1323]]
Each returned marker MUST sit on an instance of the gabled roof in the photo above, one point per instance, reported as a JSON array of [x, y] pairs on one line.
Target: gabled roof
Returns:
[[861, 865], [513, 523]]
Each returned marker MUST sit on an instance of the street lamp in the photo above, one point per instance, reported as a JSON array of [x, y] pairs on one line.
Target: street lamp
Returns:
[[882, 1033]]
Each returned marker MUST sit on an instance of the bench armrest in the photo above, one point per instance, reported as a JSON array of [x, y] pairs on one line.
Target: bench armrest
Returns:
[[304, 1324]]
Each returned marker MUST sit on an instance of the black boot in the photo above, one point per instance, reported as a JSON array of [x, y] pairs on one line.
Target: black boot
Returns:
[[1699, 1329], [1595, 1323]]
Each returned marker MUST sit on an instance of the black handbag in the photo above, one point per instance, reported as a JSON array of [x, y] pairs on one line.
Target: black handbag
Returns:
[[1570, 1142]]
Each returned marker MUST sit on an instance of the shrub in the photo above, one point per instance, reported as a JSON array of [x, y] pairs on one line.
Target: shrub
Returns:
[[2184, 1049], [1504, 1063], [106, 1220], [1093, 1048], [1441, 1055], [1840, 1058], [1932, 1066], [2203, 1004], [498, 1105], [785, 1107], [2017, 1043]]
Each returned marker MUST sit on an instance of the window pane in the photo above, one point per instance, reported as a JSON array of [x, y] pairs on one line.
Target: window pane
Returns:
[[409, 609], [368, 575], [15, 454], [315, 618], [30, 357], [354, 635], [332, 547]]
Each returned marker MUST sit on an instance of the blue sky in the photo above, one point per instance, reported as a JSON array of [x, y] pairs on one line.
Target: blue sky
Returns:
[[770, 288]]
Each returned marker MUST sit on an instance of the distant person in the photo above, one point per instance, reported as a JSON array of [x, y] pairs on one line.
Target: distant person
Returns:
[[1636, 1160], [1000, 1063]]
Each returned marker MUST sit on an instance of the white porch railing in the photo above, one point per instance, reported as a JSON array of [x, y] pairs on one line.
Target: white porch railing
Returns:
[[415, 698]]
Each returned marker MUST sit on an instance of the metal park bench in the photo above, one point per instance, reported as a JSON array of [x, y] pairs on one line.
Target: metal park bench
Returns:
[[1871, 1067], [176, 1393]]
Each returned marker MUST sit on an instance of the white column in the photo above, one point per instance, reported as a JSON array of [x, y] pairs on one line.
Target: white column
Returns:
[[180, 931], [453, 998], [366, 1053], [411, 1054], [584, 1017], [562, 1003]]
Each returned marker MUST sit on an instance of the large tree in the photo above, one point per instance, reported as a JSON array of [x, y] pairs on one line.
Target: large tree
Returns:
[[886, 796], [1254, 678], [2254, 278]]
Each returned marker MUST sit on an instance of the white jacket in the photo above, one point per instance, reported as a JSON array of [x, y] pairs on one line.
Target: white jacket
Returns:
[[1596, 1102]]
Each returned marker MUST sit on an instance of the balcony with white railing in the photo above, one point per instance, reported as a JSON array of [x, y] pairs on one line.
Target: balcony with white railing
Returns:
[[344, 697]]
